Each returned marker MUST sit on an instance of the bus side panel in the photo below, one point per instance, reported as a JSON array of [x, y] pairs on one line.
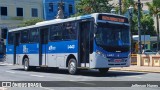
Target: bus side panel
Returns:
[[9, 54], [57, 55], [32, 51]]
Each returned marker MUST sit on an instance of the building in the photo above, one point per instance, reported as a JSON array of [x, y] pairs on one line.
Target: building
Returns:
[[51, 8], [13, 12]]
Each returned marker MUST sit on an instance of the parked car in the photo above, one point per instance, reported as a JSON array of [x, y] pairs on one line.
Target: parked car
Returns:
[[147, 51], [158, 53]]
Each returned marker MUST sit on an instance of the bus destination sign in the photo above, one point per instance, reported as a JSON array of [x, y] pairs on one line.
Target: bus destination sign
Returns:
[[113, 18]]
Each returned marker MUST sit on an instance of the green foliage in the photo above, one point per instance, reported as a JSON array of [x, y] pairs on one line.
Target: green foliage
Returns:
[[93, 6], [147, 22], [30, 22]]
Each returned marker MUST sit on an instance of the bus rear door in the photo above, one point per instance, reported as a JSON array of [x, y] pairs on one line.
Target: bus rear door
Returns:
[[43, 46], [16, 47]]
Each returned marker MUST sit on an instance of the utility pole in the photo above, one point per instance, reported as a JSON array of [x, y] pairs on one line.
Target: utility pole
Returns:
[[60, 14], [157, 17], [120, 8], [139, 28]]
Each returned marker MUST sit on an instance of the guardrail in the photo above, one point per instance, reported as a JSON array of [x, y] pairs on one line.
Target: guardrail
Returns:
[[148, 60], [133, 59]]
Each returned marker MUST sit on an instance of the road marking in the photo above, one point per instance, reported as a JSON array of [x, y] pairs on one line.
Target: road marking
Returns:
[[36, 75], [134, 76], [10, 71], [47, 88]]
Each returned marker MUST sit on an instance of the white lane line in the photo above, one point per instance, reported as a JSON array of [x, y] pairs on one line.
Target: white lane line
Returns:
[[36, 75], [10, 72], [134, 76], [47, 88]]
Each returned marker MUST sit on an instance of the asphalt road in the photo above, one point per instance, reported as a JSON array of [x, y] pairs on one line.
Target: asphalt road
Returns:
[[79, 81]]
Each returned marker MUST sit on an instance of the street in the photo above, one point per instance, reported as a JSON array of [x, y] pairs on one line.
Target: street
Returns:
[[16, 73]]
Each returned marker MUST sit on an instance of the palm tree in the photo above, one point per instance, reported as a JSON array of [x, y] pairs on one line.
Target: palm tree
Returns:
[[154, 10]]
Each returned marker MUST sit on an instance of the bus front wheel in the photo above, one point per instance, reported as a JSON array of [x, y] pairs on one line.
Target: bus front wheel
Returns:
[[103, 70], [72, 66]]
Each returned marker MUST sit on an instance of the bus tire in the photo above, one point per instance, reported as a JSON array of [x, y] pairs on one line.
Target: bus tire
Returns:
[[26, 65], [72, 66], [103, 70]]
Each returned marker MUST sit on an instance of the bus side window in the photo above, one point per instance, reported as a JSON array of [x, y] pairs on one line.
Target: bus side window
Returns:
[[69, 33], [34, 35], [24, 36], [10, 38], [55, 33]]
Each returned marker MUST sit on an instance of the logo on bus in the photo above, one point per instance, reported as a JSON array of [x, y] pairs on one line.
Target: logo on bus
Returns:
[[25, 49], [71, 46], [51, 48]]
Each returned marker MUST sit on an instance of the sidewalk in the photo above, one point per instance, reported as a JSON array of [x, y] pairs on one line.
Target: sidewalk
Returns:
[[138, 69], [4, 63]]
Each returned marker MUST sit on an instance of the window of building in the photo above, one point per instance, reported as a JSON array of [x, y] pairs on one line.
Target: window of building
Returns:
[[34, 35], [24, 36], [50, 7], [70, 8], [34, 12], [3, 11], [19, 11], [10, 38]]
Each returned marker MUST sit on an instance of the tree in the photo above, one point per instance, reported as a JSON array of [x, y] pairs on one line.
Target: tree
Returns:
[[30, 22], [154, 8], [147, 22], [93, 6]]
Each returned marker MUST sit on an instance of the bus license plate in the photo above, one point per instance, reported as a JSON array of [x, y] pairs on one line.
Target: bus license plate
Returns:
[[117, 60]]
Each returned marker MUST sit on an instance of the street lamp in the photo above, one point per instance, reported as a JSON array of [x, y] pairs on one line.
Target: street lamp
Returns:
[[144, 36], [113, 11], [139, 28], [130, 12], [120, 8]]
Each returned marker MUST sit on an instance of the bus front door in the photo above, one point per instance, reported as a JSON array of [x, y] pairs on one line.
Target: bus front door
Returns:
[[43, 46], [84, 43], [16, 47]]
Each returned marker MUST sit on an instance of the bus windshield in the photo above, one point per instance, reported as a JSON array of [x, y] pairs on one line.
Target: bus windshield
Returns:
[[113, 37]]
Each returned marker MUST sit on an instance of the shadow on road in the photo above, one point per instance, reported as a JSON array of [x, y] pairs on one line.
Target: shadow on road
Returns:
[[91, 73]]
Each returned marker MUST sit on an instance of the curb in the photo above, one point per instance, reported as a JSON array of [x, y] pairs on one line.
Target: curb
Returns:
[[135, 70]]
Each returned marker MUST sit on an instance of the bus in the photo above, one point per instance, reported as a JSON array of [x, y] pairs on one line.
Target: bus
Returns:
[[2, 50], [95, 41]]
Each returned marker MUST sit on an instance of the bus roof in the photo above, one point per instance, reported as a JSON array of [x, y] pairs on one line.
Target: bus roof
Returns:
[[56, 21]]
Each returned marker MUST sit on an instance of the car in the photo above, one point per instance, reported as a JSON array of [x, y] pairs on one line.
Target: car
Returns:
[[147, 51]]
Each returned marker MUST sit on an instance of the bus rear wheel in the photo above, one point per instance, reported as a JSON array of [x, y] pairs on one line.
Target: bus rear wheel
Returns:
[[103, 70], [72, 66], [26, 65]]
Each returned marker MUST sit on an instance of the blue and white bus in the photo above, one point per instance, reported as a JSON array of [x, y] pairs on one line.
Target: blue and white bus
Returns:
[[96, 41]]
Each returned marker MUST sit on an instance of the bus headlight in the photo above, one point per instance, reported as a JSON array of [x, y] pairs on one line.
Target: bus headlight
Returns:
[[102, 54], [98, 52]]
